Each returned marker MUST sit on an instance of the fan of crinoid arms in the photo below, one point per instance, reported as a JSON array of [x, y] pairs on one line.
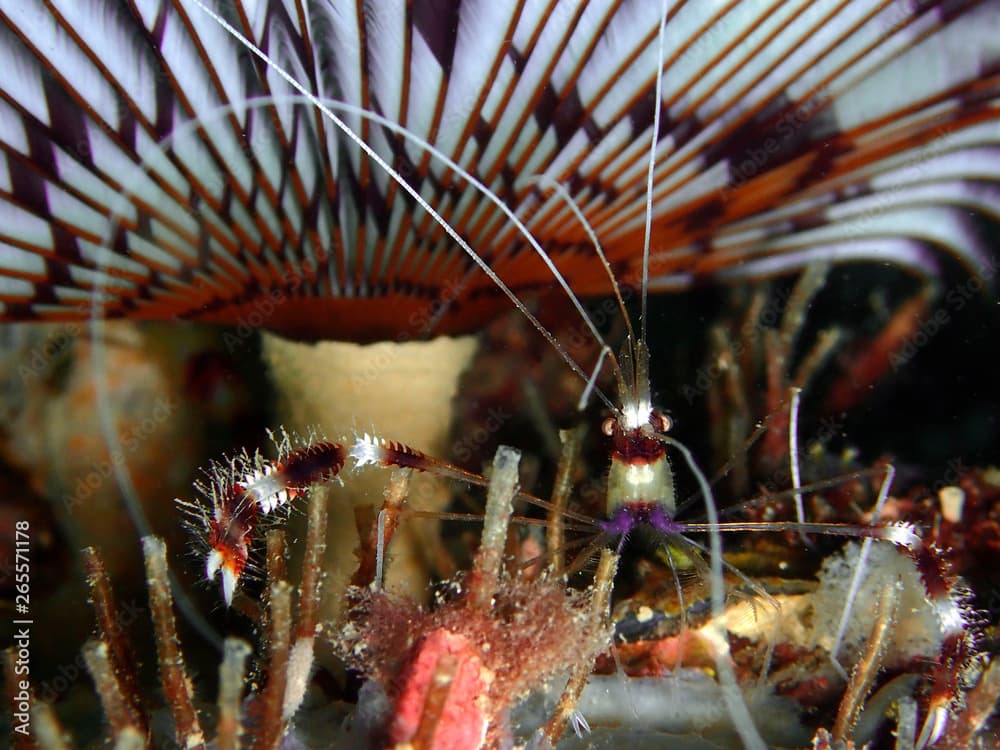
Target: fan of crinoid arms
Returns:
[[155, 165]]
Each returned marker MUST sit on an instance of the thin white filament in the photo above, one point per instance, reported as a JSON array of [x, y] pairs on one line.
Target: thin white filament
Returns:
[[765, 597], [379, 551], [859, 568], [562, 192], [657, 103], [793, 456], [130, 496], [623, 680], [592, 380], [681, 603], [398, 179], [731, 693]]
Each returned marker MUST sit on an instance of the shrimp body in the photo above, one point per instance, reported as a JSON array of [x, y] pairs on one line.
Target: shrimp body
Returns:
[[640, 479], [640, 473]]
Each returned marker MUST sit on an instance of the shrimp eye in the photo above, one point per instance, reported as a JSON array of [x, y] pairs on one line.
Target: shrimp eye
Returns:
[[608, 426], [661, 422]]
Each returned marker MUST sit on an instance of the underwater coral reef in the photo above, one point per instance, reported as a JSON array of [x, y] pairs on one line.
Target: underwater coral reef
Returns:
[[731, 273]]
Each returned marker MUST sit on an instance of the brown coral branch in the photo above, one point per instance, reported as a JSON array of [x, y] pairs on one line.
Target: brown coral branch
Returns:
[[275, 561], [173, 675], [805, 289], [119, 712], [871, 361], [312, 567], [275, 555], [825, 345], [301, 658], [119, 652], [600, 602], [775, 442], [727, 406], [751, 357], [46, 728], [276, 569], [273, 696], [232, 672], [572, 442], [869, 665], [395, 496], [436, 703]]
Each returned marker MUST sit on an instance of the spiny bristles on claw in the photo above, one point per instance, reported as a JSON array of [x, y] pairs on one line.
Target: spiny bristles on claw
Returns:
[[230, 534], [903, 535], [950, 602], [948, 597], [243, 489], [370, 450], [367, 451], [266, 488], [274, 484], [301, 464]]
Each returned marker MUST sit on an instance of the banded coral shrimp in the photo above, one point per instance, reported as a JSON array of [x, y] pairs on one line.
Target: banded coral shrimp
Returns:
[[625, 521], [743, 177], [264, 487]]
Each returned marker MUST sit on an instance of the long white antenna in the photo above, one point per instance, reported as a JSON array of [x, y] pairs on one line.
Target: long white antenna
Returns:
[[793, 457], [560, 190], [732, 695], [657, 103], [130, 495], [385, 166], [859, 570]]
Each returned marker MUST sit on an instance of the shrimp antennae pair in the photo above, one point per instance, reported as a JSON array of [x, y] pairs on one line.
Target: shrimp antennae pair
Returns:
[[632, 373], [637, 424]]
